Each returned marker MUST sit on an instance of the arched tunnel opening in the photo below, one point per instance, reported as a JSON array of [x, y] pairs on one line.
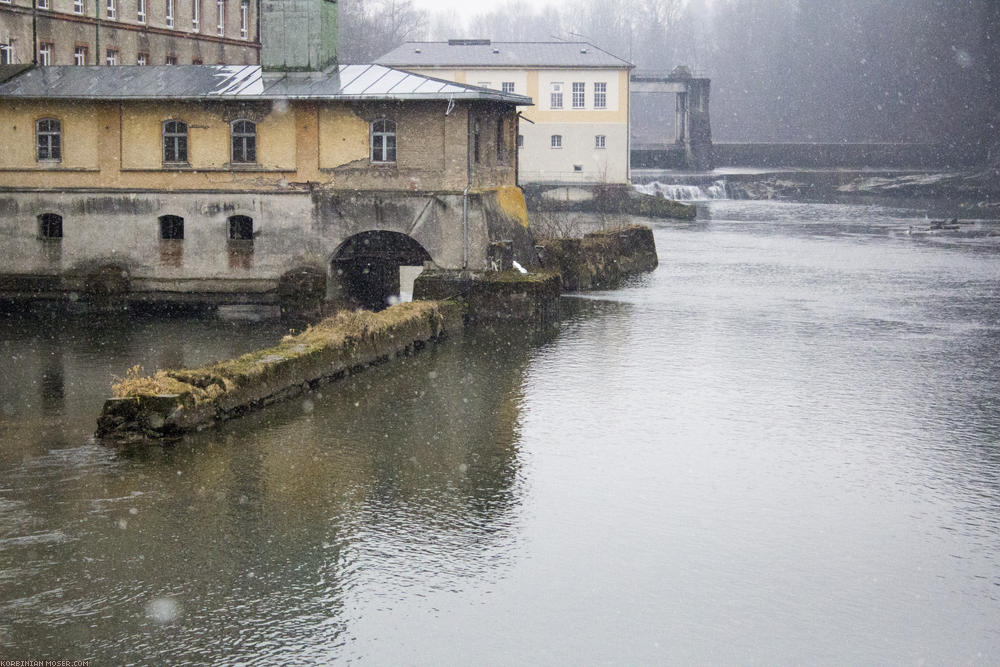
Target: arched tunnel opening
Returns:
[[374, 267]]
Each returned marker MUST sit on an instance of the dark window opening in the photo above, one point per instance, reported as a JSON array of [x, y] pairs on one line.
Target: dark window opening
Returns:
[[50, 226], [244, 141], [475, 141], [240, 228], [171, 227], [241, 242], [175, 141], [500, 142]]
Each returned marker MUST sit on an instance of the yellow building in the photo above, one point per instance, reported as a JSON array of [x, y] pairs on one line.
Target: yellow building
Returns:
[[578, 128], [212, 183]]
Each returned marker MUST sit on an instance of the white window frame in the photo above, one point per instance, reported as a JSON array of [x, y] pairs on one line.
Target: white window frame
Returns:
[[600, 141], [556, 96], [111, 57], [195, 15], [80, 56], [601, 95], [42, 4], [6, 54], [140, 59], [385, 133], [507, 87], [555, 141], [140, 11], [170, 59], [49, 150], [579, 95], [78, 6], [45, 54], [244, 19], [170, 13], [220, 10], [111, 10], [4, 2]]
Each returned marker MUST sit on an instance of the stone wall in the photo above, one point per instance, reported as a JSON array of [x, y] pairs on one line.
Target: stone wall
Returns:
[[600, 260]]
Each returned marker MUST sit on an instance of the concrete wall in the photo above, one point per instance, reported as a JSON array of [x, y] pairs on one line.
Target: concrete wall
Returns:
[[298, 34], [66, 30], [842, 155]]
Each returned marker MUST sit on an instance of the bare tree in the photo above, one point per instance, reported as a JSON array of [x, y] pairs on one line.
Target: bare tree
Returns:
[[370, 28]]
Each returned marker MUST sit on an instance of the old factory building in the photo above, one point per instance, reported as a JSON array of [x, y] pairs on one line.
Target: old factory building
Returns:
[[129, 32], [578, 128], [229, 185]]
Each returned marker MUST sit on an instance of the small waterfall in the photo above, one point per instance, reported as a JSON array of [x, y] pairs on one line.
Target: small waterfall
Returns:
[[679, 192]]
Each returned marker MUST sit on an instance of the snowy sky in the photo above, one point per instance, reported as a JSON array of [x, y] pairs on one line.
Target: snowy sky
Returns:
[[467, 8]]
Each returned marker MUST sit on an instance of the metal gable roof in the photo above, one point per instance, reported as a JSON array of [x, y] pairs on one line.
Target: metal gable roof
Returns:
[[484, 53], [242, 82]]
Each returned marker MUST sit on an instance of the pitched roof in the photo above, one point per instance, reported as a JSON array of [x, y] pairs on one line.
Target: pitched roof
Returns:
[[484, 53], [185, 82]]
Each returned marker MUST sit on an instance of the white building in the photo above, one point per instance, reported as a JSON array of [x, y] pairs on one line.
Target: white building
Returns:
[[578, 128]]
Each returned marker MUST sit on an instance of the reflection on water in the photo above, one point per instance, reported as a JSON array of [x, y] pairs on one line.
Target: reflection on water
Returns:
[[780, 447]]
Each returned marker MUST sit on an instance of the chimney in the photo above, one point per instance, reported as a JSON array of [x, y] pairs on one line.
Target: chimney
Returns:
[[298, 35]]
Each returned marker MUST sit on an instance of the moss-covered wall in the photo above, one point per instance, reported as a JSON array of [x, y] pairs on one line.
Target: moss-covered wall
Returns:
[[601, 259]]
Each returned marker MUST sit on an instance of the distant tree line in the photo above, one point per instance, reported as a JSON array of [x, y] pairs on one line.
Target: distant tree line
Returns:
[[782, 70]]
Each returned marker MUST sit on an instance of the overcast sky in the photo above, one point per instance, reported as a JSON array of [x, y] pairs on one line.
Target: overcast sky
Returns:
[[467, 8]]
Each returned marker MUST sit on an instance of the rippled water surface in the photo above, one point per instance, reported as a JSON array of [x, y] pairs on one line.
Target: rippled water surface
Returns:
[[781, 447]]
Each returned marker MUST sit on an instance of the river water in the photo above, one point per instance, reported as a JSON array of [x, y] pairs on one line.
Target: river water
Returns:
[[781, 447]]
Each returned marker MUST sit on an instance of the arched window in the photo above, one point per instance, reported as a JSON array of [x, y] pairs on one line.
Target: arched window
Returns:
[[244, 141], [384, 141], [175, 142], [240, 228], [50, 226], [48, 133], [171, 228]]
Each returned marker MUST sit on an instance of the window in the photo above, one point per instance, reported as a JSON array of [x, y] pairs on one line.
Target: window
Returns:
[[170, 60], [77, 6], [48, 133], [175, 142], [170, 13], [171, 228], [520, 141], [140, 11], [244, 141], [579, 95], [599, 141], [244, 18], [475, 141], [384, 141], [220, 6], [42, 4], [195, 15], [141, 58], [111, 9], [171, 241], [45, 54], [555, 99], [600, 95], [6, 54], [556, 141], [500, 143], [50, 226], [80, 56], [240, 242], [484, 84], [240, 228], [507, 86], [111, 57]]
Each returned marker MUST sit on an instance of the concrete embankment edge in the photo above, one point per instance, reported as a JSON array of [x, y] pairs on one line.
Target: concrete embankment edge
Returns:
[[174, 402]]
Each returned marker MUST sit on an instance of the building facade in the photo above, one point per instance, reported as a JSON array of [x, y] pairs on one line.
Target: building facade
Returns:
[[215, 183], [578, 128], [129, 32]]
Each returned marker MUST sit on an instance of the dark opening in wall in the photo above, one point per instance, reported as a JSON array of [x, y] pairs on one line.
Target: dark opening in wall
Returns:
[[171, 227], [241, 236], [50, 226], [367, 266]]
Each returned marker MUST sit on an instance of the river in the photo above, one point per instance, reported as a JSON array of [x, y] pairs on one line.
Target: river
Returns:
[[781, 447]]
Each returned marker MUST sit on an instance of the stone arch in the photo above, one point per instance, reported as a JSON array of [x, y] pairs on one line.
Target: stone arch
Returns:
[[366, 268]]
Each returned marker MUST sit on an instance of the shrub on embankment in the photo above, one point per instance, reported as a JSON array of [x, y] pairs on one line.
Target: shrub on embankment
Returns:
[[601, 259], [174, 401]]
